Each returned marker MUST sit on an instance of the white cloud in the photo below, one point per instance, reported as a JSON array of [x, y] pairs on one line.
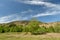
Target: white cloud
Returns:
[[15, 17], [51, 6], [29, 10], [54, 8], [10, 18], [5, 18], [46, 14], [38, 2]]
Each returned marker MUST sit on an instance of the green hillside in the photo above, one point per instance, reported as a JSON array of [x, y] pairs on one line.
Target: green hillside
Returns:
[[33, 26]]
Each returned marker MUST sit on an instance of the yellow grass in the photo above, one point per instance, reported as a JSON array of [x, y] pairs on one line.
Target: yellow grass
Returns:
[[23, 36]]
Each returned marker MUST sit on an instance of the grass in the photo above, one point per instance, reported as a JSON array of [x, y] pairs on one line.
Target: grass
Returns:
[[22, 36]]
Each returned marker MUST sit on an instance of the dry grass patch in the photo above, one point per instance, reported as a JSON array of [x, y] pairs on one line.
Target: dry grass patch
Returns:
[[22, 36]]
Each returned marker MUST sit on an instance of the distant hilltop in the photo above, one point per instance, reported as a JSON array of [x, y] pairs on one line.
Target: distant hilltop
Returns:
[[26, 22]]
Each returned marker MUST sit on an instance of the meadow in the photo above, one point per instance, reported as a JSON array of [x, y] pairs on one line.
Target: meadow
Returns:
[[22, 36]]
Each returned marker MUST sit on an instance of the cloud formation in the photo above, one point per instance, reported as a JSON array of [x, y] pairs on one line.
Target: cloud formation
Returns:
[[54, 9], [5, 19], [46, 14], [38, 2], [15, 17]]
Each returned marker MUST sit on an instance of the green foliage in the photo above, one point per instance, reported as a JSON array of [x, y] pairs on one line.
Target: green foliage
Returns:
[[19, 28], [6, 29], [32, 27], [57, 29], [10, 28], [1, 29], [50, 29], [16, 29], [40, 30]]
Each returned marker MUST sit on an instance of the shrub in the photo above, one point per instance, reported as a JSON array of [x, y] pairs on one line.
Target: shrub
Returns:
[[40, 30], [6, 29], [50, 29], [57, 29], [19, 28], [1, 29]]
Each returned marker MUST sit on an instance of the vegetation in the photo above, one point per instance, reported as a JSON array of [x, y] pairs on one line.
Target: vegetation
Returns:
[[32, 26], [29, 31]]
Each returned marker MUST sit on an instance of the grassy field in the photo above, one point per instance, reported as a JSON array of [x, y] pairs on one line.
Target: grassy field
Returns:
[[23, 36]]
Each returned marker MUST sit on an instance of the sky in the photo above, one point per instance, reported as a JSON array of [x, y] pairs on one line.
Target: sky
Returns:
[[42, 10]]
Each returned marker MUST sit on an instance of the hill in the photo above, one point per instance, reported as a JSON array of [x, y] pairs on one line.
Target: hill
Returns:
[[25, 22], [33, 26]]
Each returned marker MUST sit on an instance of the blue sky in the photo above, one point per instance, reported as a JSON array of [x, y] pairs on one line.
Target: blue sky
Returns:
[[43, 10]]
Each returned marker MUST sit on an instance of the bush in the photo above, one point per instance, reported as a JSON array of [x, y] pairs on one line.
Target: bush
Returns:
[[50, 29], [57, 29], [19, 28], [40, 30], [1, 29], [6, 29], [13, 29], [16, 29]]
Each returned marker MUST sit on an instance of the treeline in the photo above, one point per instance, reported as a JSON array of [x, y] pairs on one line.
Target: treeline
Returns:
[[32, 27]]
